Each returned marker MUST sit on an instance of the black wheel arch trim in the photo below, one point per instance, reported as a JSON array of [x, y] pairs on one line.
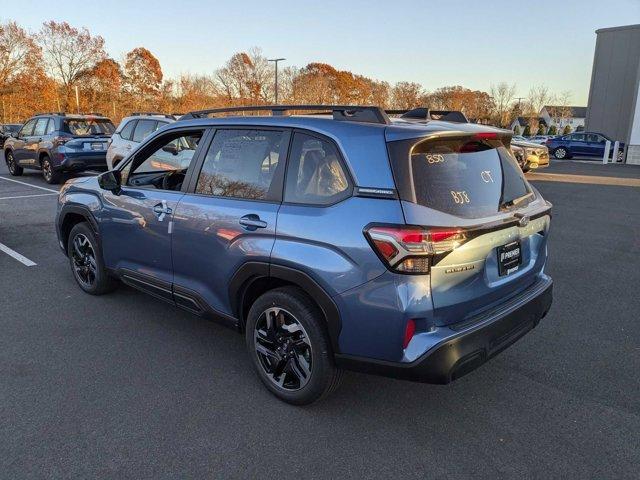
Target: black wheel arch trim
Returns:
[[78, 210], [250, 272]]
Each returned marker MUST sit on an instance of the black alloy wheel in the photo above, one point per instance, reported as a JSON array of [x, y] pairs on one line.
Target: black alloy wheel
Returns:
[[83, 256], [283, 349], [14, 169]]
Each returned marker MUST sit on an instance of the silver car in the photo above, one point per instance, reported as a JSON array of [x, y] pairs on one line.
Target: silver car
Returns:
[[131, 131]]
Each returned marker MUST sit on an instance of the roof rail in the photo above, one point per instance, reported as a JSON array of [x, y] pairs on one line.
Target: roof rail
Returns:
[[62, 114], [353, 113], [424, 113], [155, 114]]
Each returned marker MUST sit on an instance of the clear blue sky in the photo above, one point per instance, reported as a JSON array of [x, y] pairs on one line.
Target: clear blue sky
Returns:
[[433, 42]]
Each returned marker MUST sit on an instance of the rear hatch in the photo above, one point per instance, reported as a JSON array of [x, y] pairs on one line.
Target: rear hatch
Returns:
[[468, 189], [87, 134]]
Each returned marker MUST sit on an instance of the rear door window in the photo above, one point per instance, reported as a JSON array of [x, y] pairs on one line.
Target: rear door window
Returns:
[[144, 128], [315, 175], [467, 177], [41, 127]]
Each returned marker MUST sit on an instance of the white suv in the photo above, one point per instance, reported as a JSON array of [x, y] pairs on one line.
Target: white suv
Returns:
[[131, 131]]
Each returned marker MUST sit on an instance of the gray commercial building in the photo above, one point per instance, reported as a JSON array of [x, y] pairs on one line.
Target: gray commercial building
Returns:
[[614, 95]]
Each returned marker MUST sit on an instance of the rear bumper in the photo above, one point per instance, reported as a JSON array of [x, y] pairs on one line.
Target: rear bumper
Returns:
[[83, 161], [468, 345]]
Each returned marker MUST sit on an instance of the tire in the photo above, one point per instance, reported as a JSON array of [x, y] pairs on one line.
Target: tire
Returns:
[[87, 264], [561, 153], [50, 176], [14, 169], [289, 346]]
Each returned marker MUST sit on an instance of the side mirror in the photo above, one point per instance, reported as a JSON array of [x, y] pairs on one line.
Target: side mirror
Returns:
[[172, 149], [110, 181], [13, 134]]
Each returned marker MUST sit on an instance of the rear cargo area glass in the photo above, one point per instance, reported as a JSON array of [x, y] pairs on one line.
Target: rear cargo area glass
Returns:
[[468, 177]]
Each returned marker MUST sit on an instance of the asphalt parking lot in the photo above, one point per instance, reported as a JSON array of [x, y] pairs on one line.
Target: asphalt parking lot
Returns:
[[122, 386]]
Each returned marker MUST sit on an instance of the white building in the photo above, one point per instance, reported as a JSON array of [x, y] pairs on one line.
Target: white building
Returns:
[[614, 95], [560, 117]]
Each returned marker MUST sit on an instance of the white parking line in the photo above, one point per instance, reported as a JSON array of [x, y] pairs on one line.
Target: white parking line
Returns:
[[29, 185], [28, 196], [21, 258]]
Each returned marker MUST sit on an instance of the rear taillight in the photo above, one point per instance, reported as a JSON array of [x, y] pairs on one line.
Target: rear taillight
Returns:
[[57, 141], [411, 249]]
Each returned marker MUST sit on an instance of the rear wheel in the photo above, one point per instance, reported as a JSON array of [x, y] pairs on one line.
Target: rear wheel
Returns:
[[87, 265], [561, 153], [14, 169], [48, 173], [289, 347]]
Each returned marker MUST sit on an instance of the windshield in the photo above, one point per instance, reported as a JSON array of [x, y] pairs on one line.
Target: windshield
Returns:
[[466, 177], [88, 126], [12, 128]]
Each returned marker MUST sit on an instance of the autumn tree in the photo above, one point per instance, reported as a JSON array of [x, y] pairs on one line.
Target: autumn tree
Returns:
[[100, 86], [474, 104], [20, 65], [68, 53], [406, 95], [142, 78], [247, 77]]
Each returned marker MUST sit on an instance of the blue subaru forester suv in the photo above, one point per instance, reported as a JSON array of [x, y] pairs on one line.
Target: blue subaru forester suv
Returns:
[[56, 143], [343, 239]]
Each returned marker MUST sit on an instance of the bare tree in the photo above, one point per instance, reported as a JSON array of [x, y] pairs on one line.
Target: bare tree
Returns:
[[502, 96]]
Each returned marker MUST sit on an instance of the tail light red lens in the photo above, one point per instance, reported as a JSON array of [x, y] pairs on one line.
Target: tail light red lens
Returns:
[[410, 249], [409, 332]]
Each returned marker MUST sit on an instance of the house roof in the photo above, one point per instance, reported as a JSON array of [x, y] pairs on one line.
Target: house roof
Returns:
[[523, 122], [576, 112]]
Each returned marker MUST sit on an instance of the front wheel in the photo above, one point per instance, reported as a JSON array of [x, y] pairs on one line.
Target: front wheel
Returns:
[[14, 169], [48, 173], [561, 153], [289, 347], [87, 265]]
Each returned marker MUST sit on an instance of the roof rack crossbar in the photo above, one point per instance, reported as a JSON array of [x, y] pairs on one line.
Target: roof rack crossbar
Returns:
[[354, 113], [425, 113]]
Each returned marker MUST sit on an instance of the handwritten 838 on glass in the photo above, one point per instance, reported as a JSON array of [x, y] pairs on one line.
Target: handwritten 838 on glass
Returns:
[[459, 196]]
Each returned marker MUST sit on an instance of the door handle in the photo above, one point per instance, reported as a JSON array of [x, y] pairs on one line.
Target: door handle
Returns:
[[252, 222], [161, 210], [128, 147]]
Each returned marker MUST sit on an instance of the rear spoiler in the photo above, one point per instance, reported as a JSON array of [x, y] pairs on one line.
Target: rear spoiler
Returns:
[[423, 113]]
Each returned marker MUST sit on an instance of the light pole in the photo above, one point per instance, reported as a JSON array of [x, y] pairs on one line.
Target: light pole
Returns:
[[276, 60]]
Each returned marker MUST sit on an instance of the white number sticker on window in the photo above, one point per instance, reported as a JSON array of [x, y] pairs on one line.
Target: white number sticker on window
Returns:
[[434, 158], [460, 197]]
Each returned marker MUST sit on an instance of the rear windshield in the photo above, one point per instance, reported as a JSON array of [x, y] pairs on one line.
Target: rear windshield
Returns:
[[467, 177], [87, 126]]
